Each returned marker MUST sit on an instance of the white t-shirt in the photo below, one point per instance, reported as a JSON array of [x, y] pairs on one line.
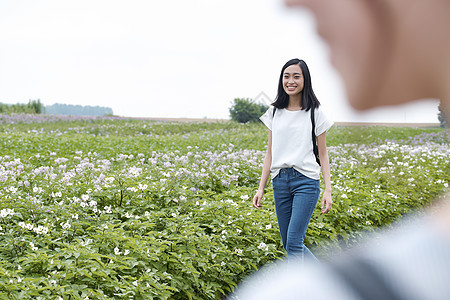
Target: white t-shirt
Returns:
[[292, 141]]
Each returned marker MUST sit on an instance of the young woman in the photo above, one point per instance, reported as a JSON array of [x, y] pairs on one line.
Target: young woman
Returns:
[[290, 158]]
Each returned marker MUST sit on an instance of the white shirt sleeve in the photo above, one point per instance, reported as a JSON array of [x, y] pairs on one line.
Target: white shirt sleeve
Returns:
[[323, 122], [267, 117]]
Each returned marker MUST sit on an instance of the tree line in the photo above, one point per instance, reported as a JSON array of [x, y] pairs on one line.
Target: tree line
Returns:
[[32, 107], [36, 107]]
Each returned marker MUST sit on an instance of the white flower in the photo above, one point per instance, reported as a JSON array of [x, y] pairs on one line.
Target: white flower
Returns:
[[108, 209], [37, 190], [126, 252], [174, 215], [263, 246], [245, 197], [57, 194], [40, 229], [222, 263], [75, 216], [85, 197], [33, 247], [109, 180], [117, 251], [238, 251], [142, 186], [65, 225], [268, 226], [135, 283], [6, 212], [133, 171]]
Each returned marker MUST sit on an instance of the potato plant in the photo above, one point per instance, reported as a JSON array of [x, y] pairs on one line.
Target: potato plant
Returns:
[[111, 208]]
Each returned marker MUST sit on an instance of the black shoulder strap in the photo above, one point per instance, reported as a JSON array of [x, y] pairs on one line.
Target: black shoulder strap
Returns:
[[364, 279], [314, 139]]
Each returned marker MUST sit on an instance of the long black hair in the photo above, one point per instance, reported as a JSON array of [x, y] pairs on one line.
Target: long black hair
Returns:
[[309, 99]]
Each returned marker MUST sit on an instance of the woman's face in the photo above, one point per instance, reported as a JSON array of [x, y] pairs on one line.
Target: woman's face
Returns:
[[293, 80], [363, 36]]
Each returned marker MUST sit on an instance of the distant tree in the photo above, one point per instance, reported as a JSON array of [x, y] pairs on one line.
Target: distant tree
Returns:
[[35, 106], [246, 110], [32, 107], [443, 118]]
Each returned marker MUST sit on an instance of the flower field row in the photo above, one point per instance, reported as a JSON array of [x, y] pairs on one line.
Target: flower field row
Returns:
[[126, 209]]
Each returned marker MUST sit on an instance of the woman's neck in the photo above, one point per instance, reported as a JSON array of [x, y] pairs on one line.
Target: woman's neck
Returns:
[[295, 102]]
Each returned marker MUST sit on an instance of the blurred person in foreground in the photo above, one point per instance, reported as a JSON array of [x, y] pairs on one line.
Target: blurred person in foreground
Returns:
[[388, 52]]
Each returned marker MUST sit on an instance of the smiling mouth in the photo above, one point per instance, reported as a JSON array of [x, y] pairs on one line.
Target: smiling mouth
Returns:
[[291, 88]]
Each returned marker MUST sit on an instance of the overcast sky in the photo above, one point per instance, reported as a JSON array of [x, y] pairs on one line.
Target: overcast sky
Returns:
[[180, 58]]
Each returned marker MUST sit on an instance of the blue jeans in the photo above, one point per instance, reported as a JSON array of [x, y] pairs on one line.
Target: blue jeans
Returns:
[[296, 198]]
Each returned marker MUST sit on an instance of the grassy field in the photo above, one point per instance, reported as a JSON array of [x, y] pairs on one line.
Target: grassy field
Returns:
[[109, 208]]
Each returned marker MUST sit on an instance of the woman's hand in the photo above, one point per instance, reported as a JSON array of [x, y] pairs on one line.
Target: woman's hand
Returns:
[[257, 199], [327, 203]]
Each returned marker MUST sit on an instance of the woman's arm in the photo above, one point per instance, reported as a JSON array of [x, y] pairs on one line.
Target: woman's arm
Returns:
[[265, 173], [325, 163]]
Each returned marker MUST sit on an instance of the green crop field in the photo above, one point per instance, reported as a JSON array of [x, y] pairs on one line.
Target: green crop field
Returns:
[[108, 208]]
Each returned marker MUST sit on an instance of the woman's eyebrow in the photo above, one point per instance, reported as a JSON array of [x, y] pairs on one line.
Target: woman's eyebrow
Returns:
[[287, 73]]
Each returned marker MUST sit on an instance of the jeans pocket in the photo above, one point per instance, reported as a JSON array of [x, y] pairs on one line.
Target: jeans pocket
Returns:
[[276, 178], [298, 174]]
